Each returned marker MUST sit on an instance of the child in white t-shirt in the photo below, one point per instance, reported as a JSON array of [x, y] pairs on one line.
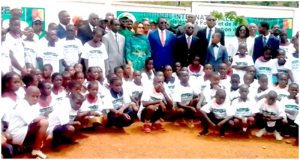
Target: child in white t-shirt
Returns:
[[170, 80], [136, 88], [294, 59], [244, 110], [186, 99], [5, 60], [265, 65], [96, 107], [94, 52], [272, 112], [281, 88], [155, 101], [58, 91], [195, 69], [64, 120], [27, 129], [242, 60], [46, 102], [148, 72], [216, 113], [291, 106], [234, 89], [30, 48], [224, 78], [283, 64]]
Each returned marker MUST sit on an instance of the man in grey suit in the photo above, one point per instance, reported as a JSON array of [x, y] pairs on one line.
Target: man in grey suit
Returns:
[[114, 43], [190, 18]]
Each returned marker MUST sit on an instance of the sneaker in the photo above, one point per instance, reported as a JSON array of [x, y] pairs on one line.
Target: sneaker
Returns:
[[277, 136], [38, 154], [147, 128], [261, 132]]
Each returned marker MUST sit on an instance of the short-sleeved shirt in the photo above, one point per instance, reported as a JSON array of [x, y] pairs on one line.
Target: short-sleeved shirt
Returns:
[[291, 108], [268, 68], [244, 109], [51, 55], [119, 99], [71, 50], [31, 52], [5, 59], [276, 109], [220, 111], [184, 94], [241, 62], [101, 106]]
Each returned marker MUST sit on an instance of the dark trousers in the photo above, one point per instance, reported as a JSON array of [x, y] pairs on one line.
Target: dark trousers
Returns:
[[119, 122], [7, 150], [156, 116], [213, 118]]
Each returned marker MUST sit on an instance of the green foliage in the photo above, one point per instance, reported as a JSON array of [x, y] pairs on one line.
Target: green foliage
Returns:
[[230, 16]]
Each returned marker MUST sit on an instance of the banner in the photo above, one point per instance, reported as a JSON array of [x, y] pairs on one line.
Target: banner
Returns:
[[28, 14], [227, 25]]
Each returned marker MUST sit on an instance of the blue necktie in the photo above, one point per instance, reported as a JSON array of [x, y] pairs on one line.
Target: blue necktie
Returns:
[[265, 41]]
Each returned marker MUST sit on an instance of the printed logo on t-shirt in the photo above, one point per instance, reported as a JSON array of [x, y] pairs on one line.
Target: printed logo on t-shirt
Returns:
[[268, 113], [186, 97], [71, 46], [154, 99], [72, 117], [219, 112], [243, 111], [242, 63], [46, 111], [136, 95], [282, 95], [282, 70], [117, 103], [295, 64], [93, 107]]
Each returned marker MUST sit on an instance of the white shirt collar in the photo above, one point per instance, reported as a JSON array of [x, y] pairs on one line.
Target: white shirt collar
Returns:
[[63, 25], [187, 36], [91, 26], [268, 35], [212, 29]]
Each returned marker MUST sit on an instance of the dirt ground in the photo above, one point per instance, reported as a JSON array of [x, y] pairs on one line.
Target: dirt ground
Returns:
[[175, 142]]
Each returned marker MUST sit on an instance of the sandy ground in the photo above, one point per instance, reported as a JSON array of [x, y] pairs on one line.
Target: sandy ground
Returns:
[[175, 142]]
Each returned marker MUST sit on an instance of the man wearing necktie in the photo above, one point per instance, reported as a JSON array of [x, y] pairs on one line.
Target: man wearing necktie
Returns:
[[205, 36], [162, 44], [186, 46], [265, 38]]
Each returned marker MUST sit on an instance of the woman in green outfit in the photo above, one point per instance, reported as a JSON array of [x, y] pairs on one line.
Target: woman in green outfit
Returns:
[[137, 47]]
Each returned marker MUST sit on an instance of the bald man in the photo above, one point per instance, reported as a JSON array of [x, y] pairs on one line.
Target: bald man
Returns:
[[190, 18], [26, 125], [84, 33], [186, 46], [16, 14]]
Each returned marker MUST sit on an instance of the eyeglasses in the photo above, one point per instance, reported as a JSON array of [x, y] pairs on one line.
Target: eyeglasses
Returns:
[[140, 27], [37, 23], [211, 20], [190, 27], [242, 30], [163, 22]]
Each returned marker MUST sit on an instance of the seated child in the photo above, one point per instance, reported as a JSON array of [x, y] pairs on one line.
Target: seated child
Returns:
[[272, 113], [170, 80], [224, 78], [291, 106], [177, 68], [124, 111], [78, 67], [71, 70], [155, 101], [216, 113], [283, 65], [244, 110], [234, 89], [46, 102], [66, 79], [148, 72], [263, 88], [79, 77], [186, 99], [29, 129], [47, 72], [64, 120], [195, 69], [58, 91], [136, 88]]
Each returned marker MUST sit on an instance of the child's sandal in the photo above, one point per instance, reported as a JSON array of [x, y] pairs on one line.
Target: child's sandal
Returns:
[[38, 155], [147, 128]]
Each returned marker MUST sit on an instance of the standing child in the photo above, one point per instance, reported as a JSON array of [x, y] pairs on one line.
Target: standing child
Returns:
[[216, 52], [224, 78], [244, 110], [283, 65], [294, 59], [282, 87], [264, 65], [30, 48], [27, 129], [210, 91], [124, 111], [242, 60], [154, 104], [177, 68], [63, 121], [186, 99], [291, 106], [148, 72], [272, 113], [234, 89], [216, 113]]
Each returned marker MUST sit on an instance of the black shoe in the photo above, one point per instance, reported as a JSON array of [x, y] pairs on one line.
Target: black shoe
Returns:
[[203, 132]]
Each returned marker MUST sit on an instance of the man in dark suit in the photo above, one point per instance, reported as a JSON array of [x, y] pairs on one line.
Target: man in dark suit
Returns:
[[192, 19], [205, 35], [162, 44], [84, 33], [64, 20], [264, 39], [186, 46]]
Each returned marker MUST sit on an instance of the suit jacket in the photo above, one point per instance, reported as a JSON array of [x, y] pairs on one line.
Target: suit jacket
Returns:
[[85, 33], [221, 58], [204, 43], [162, 55], [258, 49], [115, 51], [61, 32], [182, 53]]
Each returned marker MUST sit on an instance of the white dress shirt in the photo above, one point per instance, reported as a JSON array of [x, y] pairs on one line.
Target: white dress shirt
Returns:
[[212, 32]]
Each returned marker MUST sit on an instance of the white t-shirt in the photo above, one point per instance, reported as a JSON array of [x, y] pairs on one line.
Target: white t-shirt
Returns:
[[281, 92], [268, 68], [23, 24], [274, 110], [8, 109], [18, 126], [184, 94], [101, 106], [289, 50], [171, 86], [16, 45], [119, 100], [71, 50], [284, 68], [244, 109], [46, 111], [234, 95], [147, 80], [291, 108], [220, 111], [135, 91], [196, 74], [59, 97], [61, 115], [150, 95], [51, 55], [295, 67], [244, 61], [96, 56], [31, 52], [5, 59], [209, 93]]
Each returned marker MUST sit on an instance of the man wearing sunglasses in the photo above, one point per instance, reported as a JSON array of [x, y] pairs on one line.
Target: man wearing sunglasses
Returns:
[[37, 26], [190, 18], [162, 44], [205, 36]]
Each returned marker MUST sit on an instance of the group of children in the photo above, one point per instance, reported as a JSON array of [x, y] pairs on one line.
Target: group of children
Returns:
[[44, 105]]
